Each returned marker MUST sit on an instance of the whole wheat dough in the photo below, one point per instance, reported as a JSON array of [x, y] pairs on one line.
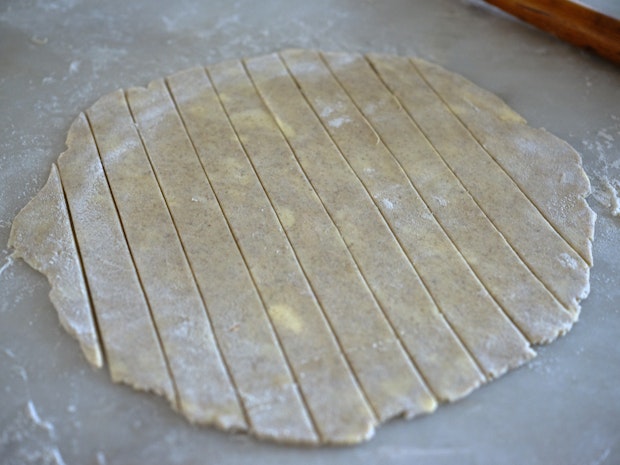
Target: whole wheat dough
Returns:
[[304, 245]]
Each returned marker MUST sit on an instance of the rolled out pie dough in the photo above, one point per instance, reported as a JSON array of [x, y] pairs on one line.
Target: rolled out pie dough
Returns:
[[304, 245]]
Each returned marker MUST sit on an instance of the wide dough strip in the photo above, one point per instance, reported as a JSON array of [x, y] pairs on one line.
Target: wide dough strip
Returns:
[[445, 364], [520, 293], [336, 402], [303, 245]]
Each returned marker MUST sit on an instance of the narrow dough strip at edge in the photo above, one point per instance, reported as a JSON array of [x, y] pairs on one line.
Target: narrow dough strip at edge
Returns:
[[32, 255], [175, 401], [492, 224], [511, 323], [436, 150], [495, 227], [486, 150], [372, 421], [218, 351], [574, 309], [307, 278], [101, 349], [390, 324]]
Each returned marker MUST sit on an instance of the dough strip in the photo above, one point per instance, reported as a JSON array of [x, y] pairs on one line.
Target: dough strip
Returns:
[[125, 318], [424, 404], [184, 193]]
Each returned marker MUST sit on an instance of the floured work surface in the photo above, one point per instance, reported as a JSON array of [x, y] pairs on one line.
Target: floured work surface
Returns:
[[305, 245]]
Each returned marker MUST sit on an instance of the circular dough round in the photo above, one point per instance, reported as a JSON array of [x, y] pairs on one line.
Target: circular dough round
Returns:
[[304, 245]]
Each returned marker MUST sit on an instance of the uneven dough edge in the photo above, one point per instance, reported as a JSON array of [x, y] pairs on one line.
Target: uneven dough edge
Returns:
[[554, 197], [566, 193], [541, 186], [46, 242]]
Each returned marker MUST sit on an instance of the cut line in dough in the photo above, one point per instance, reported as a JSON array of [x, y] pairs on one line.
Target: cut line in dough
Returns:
[[304, 245]]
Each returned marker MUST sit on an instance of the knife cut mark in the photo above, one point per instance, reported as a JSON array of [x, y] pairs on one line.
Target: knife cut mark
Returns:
[[569, 225], [422, 196], [126, 144], [484, 149], [229, 228], [255, 330], [514, 200], [235, 128]]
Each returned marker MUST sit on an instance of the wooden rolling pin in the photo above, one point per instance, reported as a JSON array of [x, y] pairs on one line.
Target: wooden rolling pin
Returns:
[[570, 21]]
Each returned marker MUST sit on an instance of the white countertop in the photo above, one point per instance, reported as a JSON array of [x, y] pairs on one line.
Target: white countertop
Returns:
[[57, 58]]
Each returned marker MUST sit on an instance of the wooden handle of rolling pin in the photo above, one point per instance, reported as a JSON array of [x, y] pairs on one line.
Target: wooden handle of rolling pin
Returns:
[[570, 21]]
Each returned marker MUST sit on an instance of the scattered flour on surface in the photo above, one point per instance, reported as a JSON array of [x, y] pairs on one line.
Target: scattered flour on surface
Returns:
[[605, 173], [28, 439], [602, 457], [7, 262], [100, 458], [612, 188], [326, 111], [74, 66]]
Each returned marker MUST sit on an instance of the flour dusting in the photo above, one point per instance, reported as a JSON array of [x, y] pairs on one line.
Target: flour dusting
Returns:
[[605, 175], [337, 122], [8, 262], [28, 439], [567, 261]]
